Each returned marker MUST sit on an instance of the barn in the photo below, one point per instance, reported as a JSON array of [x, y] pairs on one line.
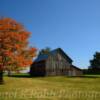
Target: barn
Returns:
[[55, 63]]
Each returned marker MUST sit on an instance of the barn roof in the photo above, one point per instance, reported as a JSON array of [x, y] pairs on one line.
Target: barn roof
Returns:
[[76, 67], [41, 57], [53, 52]]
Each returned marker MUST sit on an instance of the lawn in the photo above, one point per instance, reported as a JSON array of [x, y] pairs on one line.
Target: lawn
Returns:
[[51, 88]]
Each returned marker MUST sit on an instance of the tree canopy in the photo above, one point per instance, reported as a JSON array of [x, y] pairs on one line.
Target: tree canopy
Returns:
[[95, 62], [14, 49], [45, 51]]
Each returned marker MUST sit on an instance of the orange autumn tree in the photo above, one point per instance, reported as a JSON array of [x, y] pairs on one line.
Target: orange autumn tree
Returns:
[[14, 49]]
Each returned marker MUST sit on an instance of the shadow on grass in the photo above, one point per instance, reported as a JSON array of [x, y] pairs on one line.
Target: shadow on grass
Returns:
[[25, 76], [21, 76], [90, 76], [29, 76]]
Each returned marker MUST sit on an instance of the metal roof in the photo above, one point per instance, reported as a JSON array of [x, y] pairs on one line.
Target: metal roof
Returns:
[[41, 57]]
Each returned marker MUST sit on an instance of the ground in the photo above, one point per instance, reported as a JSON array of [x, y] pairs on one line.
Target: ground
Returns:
[[50, 88]]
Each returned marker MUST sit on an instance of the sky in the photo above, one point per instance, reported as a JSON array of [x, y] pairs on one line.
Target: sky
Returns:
[[73, 25]]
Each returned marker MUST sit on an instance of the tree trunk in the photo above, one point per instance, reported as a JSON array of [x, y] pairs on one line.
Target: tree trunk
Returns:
[[1, 77], [9, 73]]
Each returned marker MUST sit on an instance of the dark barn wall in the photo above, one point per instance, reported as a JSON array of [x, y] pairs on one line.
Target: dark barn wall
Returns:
[[57, 65], [38, 69]]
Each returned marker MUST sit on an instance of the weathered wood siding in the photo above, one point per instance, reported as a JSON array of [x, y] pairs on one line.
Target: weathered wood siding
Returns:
[[76, 72], [57, 65]]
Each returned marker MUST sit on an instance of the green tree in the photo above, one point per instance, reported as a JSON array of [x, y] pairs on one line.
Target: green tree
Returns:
[[95, 62], [45, 51]]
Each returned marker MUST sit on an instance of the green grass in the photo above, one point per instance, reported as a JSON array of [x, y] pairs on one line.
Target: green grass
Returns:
[[51, 88]]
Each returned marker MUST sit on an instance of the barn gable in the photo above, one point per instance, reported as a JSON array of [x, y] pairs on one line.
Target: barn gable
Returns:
[[57, 63], [62, 53]]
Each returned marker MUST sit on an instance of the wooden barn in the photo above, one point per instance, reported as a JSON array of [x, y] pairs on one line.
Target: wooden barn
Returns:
[[57, 62]]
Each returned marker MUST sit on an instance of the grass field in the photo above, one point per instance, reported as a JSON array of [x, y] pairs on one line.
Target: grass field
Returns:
[[51, 88]]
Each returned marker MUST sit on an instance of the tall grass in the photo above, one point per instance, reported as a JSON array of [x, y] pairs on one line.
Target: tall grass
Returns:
[[51, 88]]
